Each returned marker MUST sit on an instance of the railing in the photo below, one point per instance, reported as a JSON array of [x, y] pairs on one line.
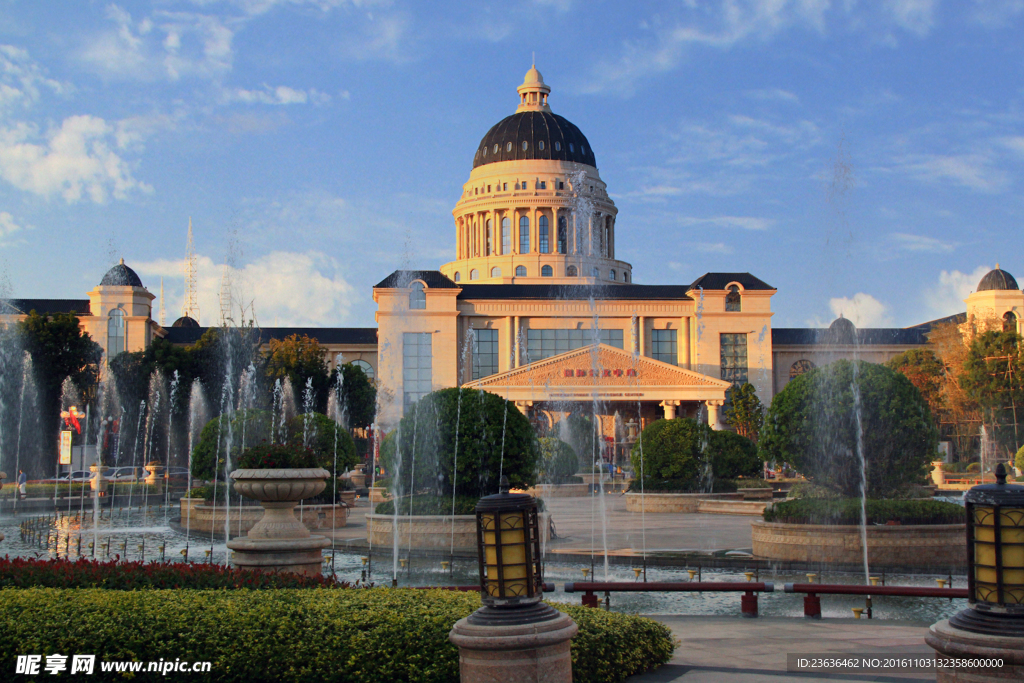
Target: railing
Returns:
[[748, 601], [812, 603]]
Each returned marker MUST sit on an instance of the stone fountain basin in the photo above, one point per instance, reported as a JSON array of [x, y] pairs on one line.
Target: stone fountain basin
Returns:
[[280, 485], [937, 547], [209, 519]]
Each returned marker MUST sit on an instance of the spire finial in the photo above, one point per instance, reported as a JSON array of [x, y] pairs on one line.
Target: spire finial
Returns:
[[122, 261], [533, 93]]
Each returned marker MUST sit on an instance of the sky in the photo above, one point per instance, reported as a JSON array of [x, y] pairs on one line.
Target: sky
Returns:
[[863, 157]]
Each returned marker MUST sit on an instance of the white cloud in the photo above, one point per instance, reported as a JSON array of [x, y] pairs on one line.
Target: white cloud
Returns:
[[1015, 143], [862, 309], [975, 171], [953, 287], [281, 94], [171, 45], [742, 222], [7, 228], [285, 289], [920, 243], [21, 79], [997, 13], [712, 247], [74, 160], [917, 16], [774, 95]]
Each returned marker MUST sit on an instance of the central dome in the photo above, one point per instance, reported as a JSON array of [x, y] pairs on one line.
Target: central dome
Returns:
[[534, 135]]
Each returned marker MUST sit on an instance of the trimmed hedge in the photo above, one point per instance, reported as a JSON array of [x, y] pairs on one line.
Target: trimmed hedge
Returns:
[[380, 634], [435, 505], [21, 572], [846, 511]]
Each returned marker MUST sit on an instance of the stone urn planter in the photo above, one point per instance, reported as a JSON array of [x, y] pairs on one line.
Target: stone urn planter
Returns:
[[938, 474], [98, 485], [279, 541], [155, 477], [358, 477]]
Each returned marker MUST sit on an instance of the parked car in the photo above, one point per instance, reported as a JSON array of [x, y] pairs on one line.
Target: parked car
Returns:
[[177, 473], [127, 474]]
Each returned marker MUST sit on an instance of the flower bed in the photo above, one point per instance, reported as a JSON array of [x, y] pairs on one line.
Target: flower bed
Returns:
[[286, 635], [19, 572]]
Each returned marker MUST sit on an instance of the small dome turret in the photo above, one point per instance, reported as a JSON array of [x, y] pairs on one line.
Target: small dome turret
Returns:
[[997, 279], [841, 332], [185, 321], [121, 276]]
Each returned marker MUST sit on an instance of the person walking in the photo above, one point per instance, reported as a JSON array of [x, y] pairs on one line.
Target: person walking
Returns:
[[22, 484]]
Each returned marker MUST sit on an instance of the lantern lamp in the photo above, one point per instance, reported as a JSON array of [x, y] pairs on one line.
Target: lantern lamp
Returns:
[[508, 547], [995, 556]]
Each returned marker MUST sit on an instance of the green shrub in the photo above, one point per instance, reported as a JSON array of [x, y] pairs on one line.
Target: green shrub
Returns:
[[814, 424], [753, 483], [288, 635], [671, 450], [1019, 459], [733, 455], [486, 423], [429, 505], [846, 511], [20, 572], [321, 434], [973, 467], [558, 461], [277, 456]]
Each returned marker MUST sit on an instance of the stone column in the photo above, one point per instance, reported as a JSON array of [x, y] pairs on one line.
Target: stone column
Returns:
[[684, 343], [670, 409], [517, 357], [713, 406], [641, 324]]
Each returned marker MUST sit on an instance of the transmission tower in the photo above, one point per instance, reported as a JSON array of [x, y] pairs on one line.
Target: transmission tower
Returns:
[[163, 308], [225, 296], [190, 307]]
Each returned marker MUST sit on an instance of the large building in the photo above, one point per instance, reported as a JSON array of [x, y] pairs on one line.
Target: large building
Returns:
[[536, 307]]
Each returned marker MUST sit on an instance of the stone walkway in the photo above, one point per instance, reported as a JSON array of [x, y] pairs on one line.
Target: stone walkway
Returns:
[[736, 650]]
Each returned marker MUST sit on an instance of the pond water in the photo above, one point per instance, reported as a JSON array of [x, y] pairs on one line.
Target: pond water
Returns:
[[145, 535]]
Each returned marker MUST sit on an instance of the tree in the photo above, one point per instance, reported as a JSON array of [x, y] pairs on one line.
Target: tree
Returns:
[[558, 461], [59, 351], [746, 412], [326, 438], [302, 360], [673, 450], [993, 376], [493, 437], [823, 419], [733, 455], [358, 395], [959, 416], [925, 371], [578, 431]]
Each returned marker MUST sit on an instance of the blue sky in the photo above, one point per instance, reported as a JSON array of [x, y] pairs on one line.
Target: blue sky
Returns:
[[864, 157]]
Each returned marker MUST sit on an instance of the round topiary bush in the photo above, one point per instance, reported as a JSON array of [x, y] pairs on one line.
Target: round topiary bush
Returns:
[[672, 450], [813, 424], [420, 454], [558, 463], [1019, 460], [734, 456]]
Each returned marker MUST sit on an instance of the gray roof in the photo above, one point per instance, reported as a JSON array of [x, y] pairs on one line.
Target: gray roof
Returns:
[[719, 281], [121, 276], [400, 279], [79, 307], [324, 335], [802, 336], [561, 139], [997, 279]]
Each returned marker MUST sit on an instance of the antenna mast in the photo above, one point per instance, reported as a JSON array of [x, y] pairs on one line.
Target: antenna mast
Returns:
[[163, 308], [225, 296], [191, 306]]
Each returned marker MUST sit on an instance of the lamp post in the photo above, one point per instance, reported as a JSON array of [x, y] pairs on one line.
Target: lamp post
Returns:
[[514, 636], [992, 626]]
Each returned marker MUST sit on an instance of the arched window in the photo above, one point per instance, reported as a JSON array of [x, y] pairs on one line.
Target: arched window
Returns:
[[611, 274], [365, 367], [495, 271], [800, 367], [561, 235], [732, 299], [524, 235], [595, 272], [546, 271], [417, 297], [506, 236], [115, 333], [458, 276], [544, 244], [570, 271], [490, 238], [625, 276], [520, 271], [1009, 322], [474, 274]]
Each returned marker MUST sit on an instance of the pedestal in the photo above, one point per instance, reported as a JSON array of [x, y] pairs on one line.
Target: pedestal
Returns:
[[279, 542], [496, 646], [155, 477], [954, 642]]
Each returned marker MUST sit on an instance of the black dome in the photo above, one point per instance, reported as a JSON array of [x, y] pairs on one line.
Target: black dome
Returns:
[[841, 331], [997, 279], [561, 140], [121, 276], [185, 321]]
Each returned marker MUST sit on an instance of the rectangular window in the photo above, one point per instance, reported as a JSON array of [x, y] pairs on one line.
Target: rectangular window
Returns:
[[543, 185], [663, 346], [485, 353], [542, 344], [504, 187], [416, 366], [734, 358]]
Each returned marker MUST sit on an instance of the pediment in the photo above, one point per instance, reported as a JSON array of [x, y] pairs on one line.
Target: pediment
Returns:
[[599, 365]]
